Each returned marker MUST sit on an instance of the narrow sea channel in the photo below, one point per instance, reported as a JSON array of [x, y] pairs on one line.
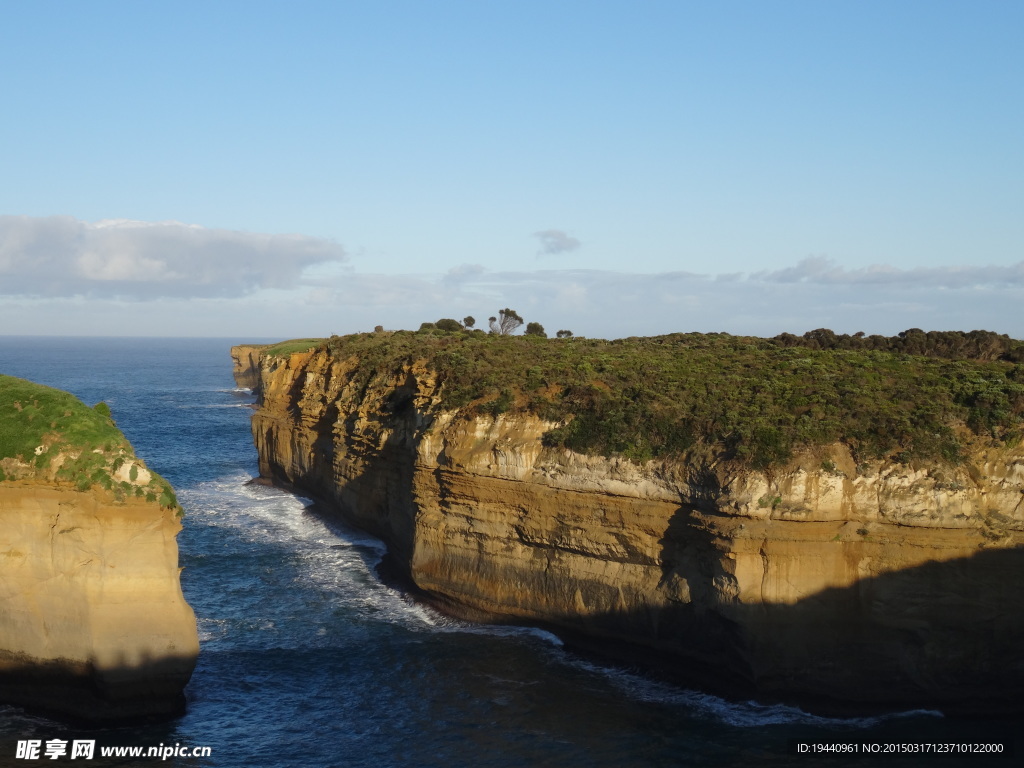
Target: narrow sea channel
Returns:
[[307, 659]]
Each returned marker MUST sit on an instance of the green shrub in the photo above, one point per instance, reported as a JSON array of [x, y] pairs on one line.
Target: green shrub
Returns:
[[448, 324]]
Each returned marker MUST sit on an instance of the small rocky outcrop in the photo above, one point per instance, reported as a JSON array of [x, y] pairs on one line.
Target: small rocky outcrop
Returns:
[[246, 364]]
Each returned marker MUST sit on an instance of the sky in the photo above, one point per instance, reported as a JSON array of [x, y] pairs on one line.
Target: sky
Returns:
[[276, 170]]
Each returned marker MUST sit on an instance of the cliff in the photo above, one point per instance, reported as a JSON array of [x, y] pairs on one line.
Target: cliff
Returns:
[[93, 623], [246, 364], [827, 578]]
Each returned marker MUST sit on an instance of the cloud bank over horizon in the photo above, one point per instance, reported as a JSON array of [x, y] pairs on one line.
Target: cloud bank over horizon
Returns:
[[811, 294], [60, 256], [62, 276]]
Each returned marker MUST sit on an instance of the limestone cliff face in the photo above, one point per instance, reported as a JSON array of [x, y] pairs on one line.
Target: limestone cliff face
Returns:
[[824, 581], [92, 618]]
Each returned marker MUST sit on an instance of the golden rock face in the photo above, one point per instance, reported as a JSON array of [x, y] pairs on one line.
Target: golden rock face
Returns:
[[93, 622], [850, 586]]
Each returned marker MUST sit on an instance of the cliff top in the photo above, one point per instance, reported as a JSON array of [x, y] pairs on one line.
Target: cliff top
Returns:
[[752, 400], [50, 435]]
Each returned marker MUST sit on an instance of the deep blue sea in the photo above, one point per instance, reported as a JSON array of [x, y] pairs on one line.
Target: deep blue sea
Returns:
[[307, 659]]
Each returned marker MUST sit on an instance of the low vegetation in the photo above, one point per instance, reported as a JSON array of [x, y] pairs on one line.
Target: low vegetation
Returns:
[[748, 399], [49, 434], [954, 345]]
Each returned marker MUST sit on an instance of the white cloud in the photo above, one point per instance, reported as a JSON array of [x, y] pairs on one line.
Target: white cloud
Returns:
[[553, 241], [61, 256]]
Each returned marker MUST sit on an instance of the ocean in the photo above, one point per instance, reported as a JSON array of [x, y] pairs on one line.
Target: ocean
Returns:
[[308, 659]]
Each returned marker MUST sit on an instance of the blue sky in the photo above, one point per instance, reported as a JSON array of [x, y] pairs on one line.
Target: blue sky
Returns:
[[616, 168]]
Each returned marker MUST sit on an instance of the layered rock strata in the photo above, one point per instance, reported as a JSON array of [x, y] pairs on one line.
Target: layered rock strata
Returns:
[[825, 582]]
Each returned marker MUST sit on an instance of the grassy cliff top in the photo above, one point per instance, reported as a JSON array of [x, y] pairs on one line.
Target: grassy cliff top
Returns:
[[50, 435], [749, 399], [290, 347]]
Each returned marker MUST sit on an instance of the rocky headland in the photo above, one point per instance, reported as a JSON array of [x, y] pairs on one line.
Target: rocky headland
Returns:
[[849, 560], [93, 623]]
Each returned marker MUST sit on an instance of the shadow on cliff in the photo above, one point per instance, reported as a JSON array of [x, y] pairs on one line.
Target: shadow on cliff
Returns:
[[151, 689], [943, 635]]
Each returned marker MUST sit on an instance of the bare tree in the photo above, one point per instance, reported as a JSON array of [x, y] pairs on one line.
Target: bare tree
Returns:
[[506, 322]]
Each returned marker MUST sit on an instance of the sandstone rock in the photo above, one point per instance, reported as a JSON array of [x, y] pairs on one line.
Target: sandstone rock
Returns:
[[92, 619]]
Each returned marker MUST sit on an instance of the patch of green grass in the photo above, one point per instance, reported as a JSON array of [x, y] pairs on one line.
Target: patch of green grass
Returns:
[[32, 415], [39, 424]]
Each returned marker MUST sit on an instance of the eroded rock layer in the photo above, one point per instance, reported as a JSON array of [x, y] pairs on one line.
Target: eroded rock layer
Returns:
[[848, 586]]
